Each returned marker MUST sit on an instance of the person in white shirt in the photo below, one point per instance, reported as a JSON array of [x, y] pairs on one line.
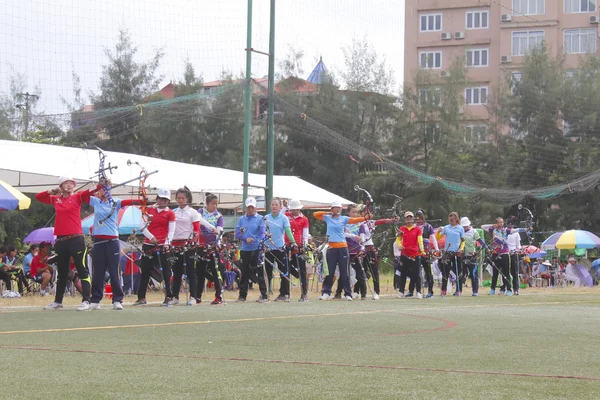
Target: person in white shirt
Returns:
[[513, 240]]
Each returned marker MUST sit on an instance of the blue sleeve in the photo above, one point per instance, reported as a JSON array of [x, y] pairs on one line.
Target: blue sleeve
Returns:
[[444, 230], [238, 231], [261, 229], [326, 218], [93, 201], [462, 232], [118, 201], [346, 219]]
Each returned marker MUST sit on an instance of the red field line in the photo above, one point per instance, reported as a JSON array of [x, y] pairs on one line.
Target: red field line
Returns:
[[314, 363]]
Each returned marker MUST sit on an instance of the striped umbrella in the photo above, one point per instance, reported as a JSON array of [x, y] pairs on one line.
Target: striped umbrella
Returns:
[[12, 199], [572, 239], [129, 218]]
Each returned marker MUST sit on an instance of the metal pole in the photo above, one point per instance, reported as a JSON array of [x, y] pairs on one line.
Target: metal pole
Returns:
[[248, 104], [271, 124]]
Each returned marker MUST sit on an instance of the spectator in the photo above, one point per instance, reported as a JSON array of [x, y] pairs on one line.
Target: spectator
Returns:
[[33, 250], [10, 267], [41, 271], [4, 275]]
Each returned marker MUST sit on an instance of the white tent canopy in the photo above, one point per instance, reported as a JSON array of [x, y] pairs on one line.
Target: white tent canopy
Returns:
[[33, 168]]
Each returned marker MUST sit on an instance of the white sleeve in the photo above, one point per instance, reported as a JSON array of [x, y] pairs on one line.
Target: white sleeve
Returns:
[[145, 230], [486, 227], [171, 232], [348, 235], [305, 235], [433, 241], [397, 251]]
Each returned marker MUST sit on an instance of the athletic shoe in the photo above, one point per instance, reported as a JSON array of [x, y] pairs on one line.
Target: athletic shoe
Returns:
[[354, 295], [457, 293], [410, 294], [280, 298], [337, 296], [363, 297], [419, 295], [443, 293], [516, 293], [117, 306], [501, 292], [84, 306], [492, 292], [174, 301], [241, 300], [348, 298], [94, 306], [217, 301], [198, 300], [508, 293], [375, 296], [140, 302], [303, 299], [166, 303], [400, 295], [262, 300], [191, 302], [326, 296], [475, 294], [429, 295], [53, 306]]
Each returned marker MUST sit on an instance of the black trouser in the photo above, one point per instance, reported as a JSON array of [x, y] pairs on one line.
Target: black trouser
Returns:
[[337, 257], [411, 268], [501, 262], [106, 256], [452, 263], [298, 264], [279, 259], [361, 277], [514, 271], [371, 263], [471, 267], [397, 273], [426, 266], [151, 260], [251, 269], [5, 276], [206, 268], [65, 249], [184, 265]]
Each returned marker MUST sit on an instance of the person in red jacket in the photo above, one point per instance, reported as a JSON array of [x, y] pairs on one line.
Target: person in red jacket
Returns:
[[410, 243], [159, 235], [299, 227], [69, 238]]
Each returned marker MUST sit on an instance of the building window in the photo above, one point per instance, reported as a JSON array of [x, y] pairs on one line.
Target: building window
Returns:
[[477, 58], [430, 60], [477, 20], [516, 79], [430, 96], [476, 134], [580, 6], [432, 133], [431, 22], [529, 7], [580, 40], [476, 95], [523, 42]]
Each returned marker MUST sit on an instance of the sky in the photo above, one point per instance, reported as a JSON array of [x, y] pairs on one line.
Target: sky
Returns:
[[48, 40]]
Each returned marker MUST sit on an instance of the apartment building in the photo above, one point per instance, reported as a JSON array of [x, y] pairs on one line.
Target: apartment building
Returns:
[[493, 36]]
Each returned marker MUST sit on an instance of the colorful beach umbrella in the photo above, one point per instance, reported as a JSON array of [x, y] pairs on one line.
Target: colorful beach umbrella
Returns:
[[41, 235], [129, 218], [12, 199], [572, 239]]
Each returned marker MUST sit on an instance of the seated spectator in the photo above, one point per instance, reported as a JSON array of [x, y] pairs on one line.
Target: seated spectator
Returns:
[[10, 262], [33, 250], [4, 275], [41, 271]]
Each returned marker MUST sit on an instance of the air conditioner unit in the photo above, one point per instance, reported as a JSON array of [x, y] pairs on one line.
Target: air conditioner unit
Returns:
[[506, 17], [444, 74], [459, 35], [446, 36], [595, 20], [506, 59]]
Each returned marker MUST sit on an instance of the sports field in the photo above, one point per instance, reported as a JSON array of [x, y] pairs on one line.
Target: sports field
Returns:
[[540, 345]]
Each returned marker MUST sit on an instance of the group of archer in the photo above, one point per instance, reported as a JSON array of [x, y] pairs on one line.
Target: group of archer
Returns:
[[178, 242], [416, 248]]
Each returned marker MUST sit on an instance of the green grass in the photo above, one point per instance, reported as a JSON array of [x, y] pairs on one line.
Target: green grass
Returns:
[[545, 333]]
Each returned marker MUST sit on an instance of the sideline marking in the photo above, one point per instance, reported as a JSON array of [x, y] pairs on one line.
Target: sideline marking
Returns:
[[314, 363], [93, 328]]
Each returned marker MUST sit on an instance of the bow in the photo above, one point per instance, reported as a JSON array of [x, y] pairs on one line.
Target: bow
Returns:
[[142, 192], [528, 221], [370, 206], [104, 181], [396, 209]]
